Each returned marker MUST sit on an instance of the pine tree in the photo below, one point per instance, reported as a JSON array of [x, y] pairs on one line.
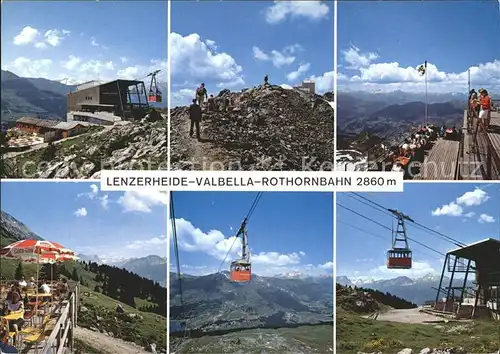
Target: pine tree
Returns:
[[19, 271], [74, 275]]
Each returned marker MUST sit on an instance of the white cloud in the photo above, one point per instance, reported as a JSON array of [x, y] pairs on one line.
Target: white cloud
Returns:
[[280, 10], [94, 195], [104, 201], [476, 197], [357, 60], [123, 59], [138, 71], [211, 44], [278, 58], [54, 37], [294, 75], [216, 245], [81, 212], [485, 218], [79, 69], [451, 209], [40, 45], [143, 201], [30, 68], [390, 76], [148, 243], [324, 82], [193, 61], [183, 95], [27, 35]]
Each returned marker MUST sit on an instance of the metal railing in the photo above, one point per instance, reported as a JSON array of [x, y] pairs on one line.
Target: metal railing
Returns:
[[62, 337], [482, 146]]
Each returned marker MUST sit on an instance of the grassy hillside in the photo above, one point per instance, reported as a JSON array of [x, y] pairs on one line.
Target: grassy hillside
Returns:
[[99, 312], [358, 334], [301, 340], [143, 323]]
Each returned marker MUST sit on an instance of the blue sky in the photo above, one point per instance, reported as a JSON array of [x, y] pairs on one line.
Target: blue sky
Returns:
[[288, 232], [235, 44], [84, 40], [463, 211], [112, 225], [382, 43]]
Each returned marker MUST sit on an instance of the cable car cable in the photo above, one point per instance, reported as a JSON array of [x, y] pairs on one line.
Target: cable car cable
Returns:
[[388, 228], [177, 258], [385, 238], [415, 224], [243, 224]]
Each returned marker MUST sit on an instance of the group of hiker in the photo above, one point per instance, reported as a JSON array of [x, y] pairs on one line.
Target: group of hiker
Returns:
[[202, 102], [480, 106]]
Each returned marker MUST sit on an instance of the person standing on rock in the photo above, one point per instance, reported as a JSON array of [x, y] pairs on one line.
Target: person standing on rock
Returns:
[[195, 117], [201, 94], [266, 80]]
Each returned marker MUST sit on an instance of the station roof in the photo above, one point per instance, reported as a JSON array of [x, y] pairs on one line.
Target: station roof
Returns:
[[479, 250], [45, 123], [121, 82]]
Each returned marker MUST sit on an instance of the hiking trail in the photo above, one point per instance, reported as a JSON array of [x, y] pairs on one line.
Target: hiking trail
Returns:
[[107, 344]]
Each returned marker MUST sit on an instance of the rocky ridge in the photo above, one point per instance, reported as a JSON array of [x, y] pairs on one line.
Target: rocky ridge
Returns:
[[137, 145], [265, 128]]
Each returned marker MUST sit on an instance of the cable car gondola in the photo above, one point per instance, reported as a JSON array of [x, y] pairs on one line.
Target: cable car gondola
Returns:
[[241, 269], [399, 257], [154, 94]]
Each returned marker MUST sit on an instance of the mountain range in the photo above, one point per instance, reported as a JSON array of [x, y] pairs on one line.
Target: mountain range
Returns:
[[151, 267], [417, 290], [213, 302], [392, 115], [32, 96], [40, 97]]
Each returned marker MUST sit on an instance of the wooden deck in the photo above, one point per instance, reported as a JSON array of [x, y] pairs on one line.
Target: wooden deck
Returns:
[[471, 166], [442, 161], [494, 131]]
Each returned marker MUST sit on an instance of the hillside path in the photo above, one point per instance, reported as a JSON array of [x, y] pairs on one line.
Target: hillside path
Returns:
[[201, 155], [106, 344], [408, 316]]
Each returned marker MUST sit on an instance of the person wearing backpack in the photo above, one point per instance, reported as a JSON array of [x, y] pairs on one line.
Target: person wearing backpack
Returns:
[[201, 94]]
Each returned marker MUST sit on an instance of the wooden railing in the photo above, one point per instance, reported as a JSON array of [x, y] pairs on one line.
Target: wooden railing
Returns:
[[482, 147], [62, 337]]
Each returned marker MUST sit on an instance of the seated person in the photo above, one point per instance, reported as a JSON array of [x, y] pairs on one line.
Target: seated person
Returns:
[[44, 288], [23, 283], [32, 283], [4, 338], [16, 304], [62, 287]]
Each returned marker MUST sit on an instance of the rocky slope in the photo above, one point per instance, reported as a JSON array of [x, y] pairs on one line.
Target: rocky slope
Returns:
[[137, 145], [14, 229], [213, 302], [266, 128]]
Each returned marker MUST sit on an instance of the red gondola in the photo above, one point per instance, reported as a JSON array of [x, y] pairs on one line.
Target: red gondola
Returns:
[[241, 269], [399, 257], [154, 94]]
